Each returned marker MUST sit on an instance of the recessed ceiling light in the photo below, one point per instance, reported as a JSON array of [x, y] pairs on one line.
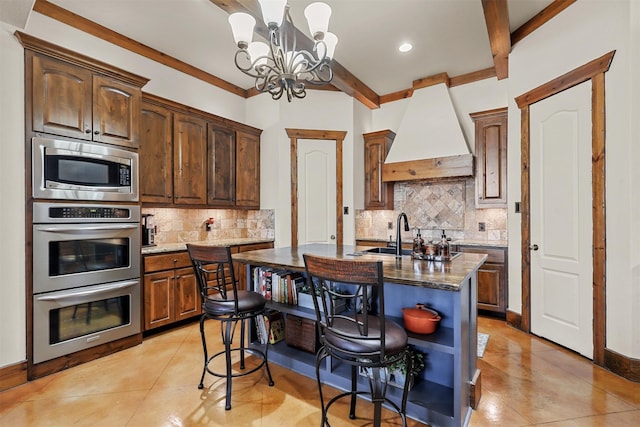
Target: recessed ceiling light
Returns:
[[405, 47]]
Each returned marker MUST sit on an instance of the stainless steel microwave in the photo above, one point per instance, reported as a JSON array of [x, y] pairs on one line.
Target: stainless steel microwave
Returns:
[[78, 170]]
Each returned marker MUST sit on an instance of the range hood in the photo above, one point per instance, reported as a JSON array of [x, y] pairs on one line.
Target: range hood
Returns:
[[429, 143]]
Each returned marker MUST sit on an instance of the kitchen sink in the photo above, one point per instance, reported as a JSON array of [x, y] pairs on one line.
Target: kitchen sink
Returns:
[[386, 250], [392, 251]]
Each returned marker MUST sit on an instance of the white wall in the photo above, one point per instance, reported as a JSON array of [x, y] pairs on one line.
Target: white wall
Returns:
[[320, 110], [585, 31], [12, 216]]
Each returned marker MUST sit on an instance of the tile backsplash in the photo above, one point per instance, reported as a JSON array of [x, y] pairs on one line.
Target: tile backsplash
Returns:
[[432, 207], [188, 225]]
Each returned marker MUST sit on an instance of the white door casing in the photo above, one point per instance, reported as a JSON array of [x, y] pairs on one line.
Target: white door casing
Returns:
[[316, 191], [561, 219]]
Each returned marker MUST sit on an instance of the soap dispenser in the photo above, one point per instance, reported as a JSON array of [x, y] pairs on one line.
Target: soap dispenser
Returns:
[[444, 246], [418, 243]]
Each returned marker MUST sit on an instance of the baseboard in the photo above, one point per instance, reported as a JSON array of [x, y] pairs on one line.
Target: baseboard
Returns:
[[624, 366], [13, 375], [475, 391], [514, 319]]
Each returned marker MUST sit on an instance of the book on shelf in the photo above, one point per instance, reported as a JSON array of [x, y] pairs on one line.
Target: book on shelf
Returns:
[[274, 323]]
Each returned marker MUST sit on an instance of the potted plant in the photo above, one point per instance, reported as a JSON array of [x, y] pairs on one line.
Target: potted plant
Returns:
[[398, 370]]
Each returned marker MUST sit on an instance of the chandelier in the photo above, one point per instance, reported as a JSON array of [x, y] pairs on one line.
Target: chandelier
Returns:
[[279, 67]]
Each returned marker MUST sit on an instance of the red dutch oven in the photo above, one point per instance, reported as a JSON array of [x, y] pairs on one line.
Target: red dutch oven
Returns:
[[420, 319]]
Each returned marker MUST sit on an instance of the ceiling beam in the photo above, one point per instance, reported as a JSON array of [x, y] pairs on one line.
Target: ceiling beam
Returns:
[[541, 18], [76, 21], [342, 78], [496, 15]]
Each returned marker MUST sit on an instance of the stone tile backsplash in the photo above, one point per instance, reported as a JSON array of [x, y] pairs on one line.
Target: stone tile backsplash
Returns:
[[188, 225], [433, 207]]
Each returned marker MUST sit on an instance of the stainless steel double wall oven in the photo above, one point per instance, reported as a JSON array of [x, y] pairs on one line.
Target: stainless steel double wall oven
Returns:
[[86, 253]]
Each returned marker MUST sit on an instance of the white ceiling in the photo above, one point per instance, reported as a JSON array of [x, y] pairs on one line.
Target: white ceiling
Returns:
[[448, 35]]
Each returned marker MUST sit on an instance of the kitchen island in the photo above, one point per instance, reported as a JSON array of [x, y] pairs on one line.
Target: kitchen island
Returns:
[[446, 389]]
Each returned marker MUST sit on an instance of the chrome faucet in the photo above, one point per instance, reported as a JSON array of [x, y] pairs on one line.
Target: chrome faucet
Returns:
[[398, 236]]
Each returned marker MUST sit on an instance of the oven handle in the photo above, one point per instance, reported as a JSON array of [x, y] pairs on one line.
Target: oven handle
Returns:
[[76, 229], [78, 293]]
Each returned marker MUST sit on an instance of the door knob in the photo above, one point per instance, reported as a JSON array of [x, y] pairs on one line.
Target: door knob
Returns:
[[333, 237], [533, 247]]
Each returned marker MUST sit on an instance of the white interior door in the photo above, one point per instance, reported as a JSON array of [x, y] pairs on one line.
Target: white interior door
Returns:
[[561, 219], [316, 191]]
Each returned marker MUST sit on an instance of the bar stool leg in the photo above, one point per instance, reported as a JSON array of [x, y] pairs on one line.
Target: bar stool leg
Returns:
[[227, 351], [204, 349], [354, 387]]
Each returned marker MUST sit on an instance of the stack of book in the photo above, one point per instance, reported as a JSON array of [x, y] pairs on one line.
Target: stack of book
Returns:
[[277, 285]]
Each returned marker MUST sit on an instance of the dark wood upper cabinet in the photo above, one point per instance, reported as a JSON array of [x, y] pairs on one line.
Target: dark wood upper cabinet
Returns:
[[221, 188], [377, 194], [156, 159], [189, 159], [491, 158], [116, 112], [247, 170], [62, 98], [69, 100]]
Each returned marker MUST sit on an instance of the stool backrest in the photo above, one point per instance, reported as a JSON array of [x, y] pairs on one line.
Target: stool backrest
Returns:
[[213, 267], [360, 285]]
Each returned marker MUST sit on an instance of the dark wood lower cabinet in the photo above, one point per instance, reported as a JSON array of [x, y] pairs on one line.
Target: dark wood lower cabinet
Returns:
[[492, 278], [171, 291]]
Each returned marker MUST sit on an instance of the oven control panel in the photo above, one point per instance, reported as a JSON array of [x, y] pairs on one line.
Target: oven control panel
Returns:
[[75, 212], [46, 213]]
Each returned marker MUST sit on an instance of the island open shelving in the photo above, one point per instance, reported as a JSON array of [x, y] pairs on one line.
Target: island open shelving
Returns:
[[442, 394]]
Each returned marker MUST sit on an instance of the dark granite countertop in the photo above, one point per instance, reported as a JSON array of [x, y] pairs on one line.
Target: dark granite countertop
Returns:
[[176, 247], [438, 275]]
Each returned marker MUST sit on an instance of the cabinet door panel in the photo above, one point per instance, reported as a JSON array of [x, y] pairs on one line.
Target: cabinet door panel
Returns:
[[221, 189], [116, 112], [187, 295], [247, 170], [158, 299], [489, 285], [61, 98], [491, 158], [377, 194], [189, 160], [156, 178]]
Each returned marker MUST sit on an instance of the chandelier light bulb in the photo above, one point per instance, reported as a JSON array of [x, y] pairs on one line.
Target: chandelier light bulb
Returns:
[[258, 52], [242, 28], [330, 41], [273, 12], [405, 47], [318, 15]]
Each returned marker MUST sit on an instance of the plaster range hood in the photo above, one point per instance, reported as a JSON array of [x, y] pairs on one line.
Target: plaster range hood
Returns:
[[429, 143]]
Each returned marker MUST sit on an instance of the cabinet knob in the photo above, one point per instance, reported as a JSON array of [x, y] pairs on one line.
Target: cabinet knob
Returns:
[[96, 132], [533, 247], [87, 130]]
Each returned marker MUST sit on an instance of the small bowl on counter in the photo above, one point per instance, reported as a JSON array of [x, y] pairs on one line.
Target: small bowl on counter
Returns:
[[420, 319]]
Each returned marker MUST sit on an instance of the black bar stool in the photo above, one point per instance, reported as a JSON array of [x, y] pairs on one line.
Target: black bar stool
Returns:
[[223, 301], [360, 336]]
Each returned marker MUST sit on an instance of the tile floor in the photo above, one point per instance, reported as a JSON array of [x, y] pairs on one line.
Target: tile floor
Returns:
[[525, 381]]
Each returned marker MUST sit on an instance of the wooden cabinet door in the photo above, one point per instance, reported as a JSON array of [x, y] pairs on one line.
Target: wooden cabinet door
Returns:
[[61, 98], [189, 160], [159, 305], [377, 194], [221, 165], [491, 158], [491, 287], [247, 170], [187, 294], [156, 167], [116, 112]]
